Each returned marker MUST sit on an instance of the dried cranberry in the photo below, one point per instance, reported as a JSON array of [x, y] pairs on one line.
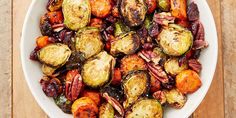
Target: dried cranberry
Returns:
[[182, 60], [52, 40], [196, 54], [154, 30], [170, 84], [194, 27], [34, 55], [67, 38], [143, 34], [74, 61], [45, 26], [148, 46], [51, 87]]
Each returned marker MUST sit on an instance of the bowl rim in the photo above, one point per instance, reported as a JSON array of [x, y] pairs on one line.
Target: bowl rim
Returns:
[[41, 104]]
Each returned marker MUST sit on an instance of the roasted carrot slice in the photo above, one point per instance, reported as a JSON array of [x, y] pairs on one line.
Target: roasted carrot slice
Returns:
[[188, 81], [55, 17], [179, 9], [101, 8], [84, 108], [42, 41], [116, 80], [96, 22], [94, 95]]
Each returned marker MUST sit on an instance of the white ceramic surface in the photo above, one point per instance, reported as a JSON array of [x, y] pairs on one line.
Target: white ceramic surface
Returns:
[[32, 70]]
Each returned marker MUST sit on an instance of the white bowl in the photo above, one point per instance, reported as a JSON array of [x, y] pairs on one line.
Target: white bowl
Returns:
[[33, 74]]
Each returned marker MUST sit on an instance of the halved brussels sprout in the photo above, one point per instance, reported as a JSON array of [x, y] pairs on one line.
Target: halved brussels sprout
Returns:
[[133, 11], [106, 111], [175, 98], [175, 40], [96, 71], [172, 66], [120, 28], [77, 13], [164, 5], [147, 108], [127, 43], [48, 70], [135, 85], [54, 55], [88, 41]]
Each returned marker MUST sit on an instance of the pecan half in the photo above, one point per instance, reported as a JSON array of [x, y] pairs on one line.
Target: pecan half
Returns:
[[199, 44], [193, 12], [73, 85], [58, 27], [160, 96], [158, 72], [114, 103], [163, 18], [195, 65]]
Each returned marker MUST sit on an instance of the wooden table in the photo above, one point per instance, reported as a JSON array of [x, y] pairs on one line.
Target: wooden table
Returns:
[[16, 100]]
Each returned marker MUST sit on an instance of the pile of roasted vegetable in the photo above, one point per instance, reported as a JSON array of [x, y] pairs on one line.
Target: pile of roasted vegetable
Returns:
[[120, 58]]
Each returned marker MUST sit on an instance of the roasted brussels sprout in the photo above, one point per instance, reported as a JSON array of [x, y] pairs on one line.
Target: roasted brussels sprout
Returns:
[[164, 5], [77, 13], [135, 85], [84, 107], [88, 41], [175, 98], [172, 66], [106, 111], [131, 63], [120, 28], [175, 40], [54, 55], [147, 108], [62, 102], [127, 43], [133, 11], [48, 70], [96, 71], [54, 5]]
